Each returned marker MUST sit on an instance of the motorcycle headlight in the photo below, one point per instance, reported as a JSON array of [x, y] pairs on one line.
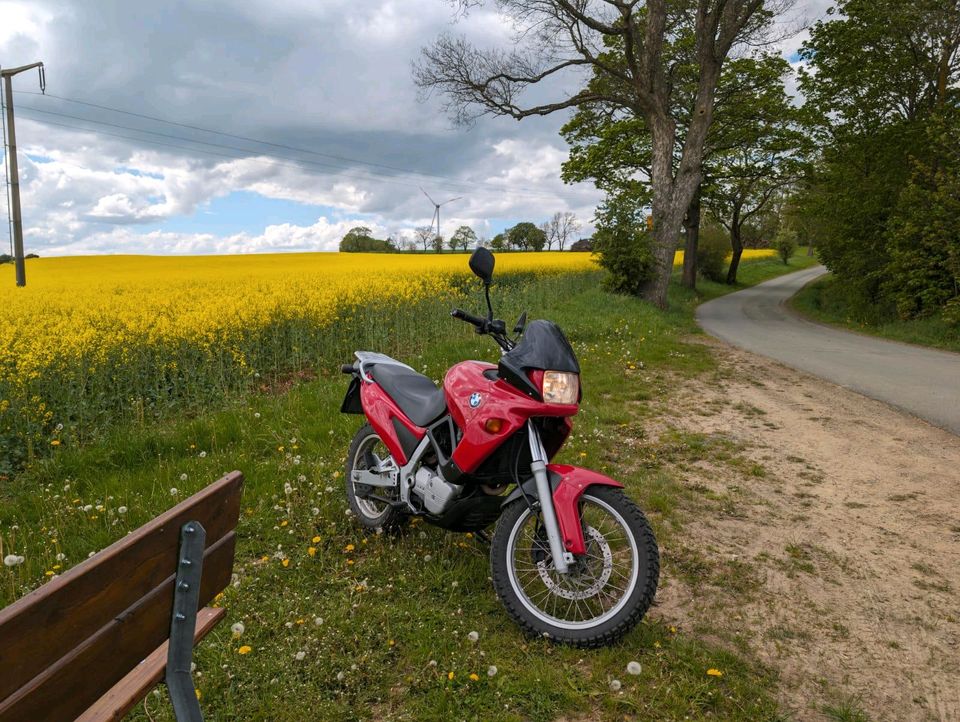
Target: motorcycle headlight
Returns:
[[560, 387]]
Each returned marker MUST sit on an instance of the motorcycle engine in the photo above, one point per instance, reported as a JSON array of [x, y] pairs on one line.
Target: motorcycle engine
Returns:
[[436, 493]]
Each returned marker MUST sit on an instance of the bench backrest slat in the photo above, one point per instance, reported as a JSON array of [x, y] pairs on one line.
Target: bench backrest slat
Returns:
[[78, 679], [111, 607]]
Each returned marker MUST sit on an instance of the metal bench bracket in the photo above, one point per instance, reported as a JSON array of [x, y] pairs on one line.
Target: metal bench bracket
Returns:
[[186, 596]]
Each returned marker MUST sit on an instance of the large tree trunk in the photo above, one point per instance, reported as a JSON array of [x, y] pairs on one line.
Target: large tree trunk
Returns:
[[736, 242], [692, 231]]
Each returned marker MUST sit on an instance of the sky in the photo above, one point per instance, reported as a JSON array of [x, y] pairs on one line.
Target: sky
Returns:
[[326, 84]]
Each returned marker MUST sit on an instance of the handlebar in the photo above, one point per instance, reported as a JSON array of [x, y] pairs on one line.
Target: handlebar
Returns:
[[348, 369], [495, 328]]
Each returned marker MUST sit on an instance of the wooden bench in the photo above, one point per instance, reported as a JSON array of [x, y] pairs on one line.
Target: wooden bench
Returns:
[[91, 643]]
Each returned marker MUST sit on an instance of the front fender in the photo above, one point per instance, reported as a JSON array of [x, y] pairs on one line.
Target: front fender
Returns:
[[568, 484]]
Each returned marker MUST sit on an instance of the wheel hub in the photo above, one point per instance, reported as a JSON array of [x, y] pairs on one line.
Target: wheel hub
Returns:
[[588, 575]]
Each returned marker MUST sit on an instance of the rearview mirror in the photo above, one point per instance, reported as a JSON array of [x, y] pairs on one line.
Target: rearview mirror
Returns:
[[481, 263]]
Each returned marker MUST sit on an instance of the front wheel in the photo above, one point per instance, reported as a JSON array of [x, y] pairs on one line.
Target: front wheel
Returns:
[[608, 589]]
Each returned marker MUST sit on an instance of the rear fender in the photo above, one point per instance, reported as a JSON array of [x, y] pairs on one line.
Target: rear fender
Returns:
[[568, 484]]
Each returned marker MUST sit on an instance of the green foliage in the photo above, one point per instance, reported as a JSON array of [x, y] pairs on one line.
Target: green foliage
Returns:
[[527, 236], [499, 242], [880, 94], [786, 243], [712, 252], [359, 240], [923, 234], [436, 243], [624, 248], [6, 258], [463, 238]]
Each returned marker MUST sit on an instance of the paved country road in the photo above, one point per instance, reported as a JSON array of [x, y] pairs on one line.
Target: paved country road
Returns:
[[922, 381]]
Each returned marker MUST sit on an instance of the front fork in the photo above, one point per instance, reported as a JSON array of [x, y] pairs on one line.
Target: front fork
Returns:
[[538, 466]]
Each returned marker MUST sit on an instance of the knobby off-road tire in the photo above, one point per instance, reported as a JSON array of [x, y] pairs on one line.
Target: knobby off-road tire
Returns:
[[371, 514], [508, 555]]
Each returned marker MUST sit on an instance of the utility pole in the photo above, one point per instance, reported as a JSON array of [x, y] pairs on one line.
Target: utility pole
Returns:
[[11, 139]]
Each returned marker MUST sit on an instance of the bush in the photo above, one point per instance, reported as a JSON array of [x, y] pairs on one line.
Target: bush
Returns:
[[786, 243], [624, 250], [713, 248]]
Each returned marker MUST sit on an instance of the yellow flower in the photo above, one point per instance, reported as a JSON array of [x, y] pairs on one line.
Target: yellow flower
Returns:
[[450, 675], [198, 693], [475, 677], [245, 649], [316, 540], [55, 442], [714, 672], [391, 642], [349, 561], [349, 548], [284, 522], [286, 563], [312, 551]]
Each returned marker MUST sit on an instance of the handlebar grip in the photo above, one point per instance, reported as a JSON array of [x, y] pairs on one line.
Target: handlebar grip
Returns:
[[464, 316], [348, 369]]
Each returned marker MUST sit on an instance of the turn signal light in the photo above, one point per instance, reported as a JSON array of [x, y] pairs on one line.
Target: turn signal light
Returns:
[[493, 426]]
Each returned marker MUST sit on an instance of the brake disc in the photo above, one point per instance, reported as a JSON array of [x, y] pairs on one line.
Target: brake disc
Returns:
[[579, 584]]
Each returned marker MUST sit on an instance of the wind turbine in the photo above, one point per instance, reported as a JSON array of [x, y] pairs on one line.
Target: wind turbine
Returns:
[[436, 208]]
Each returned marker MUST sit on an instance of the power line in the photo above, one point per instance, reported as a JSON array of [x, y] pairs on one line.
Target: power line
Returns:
[[342, 159]]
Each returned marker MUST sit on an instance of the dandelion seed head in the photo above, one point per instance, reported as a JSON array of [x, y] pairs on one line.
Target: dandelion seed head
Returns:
[[615, 685], [634, 668]]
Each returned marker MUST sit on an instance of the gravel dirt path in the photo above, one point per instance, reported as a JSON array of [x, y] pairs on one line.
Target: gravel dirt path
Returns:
[[827, 544]]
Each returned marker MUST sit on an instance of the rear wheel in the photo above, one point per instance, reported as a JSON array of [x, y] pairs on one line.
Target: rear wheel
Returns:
[[369, 453], [608, 589]]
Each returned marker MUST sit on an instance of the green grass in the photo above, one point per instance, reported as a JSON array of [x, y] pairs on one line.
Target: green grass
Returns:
[[823, 300], [382, 625]]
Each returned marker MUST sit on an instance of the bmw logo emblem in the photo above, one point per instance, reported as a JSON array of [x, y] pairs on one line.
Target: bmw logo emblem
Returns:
[[474, 400]]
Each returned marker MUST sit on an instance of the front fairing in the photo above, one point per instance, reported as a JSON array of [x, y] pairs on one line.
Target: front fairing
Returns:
[[543, 347]]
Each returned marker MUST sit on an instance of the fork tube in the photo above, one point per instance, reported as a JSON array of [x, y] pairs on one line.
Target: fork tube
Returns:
[[538, 466]]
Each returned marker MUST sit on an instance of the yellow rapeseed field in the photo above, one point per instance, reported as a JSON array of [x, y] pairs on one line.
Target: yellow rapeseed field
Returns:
[[91, 337]]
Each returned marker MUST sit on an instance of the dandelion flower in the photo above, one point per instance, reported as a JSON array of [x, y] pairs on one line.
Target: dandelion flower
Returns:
[[318, 621], [713, 672], [475, 677], [299, 656], [634, 668], [121, 510], [312, 551], [349, 548], [203, 454], [183, 477], [315, 540], [286, 563], [237, 629], [450, 675], [615, 685], [473, 636], [245, 649], [55, 442], [12, 560], [174, 491], [341, 676]]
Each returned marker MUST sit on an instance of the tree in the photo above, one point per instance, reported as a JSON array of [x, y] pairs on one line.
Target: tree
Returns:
[[437, 243], [877, 75], [360, 240], [463, 238], [752, 150], [499, 242], [424, 235], [560, 228], [527, 237], [627, 45]]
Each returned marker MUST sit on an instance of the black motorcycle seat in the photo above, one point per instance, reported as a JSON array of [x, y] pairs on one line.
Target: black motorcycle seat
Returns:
[[415, 394]]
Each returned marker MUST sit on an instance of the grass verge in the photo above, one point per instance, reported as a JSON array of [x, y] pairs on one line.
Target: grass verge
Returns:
[[342, 625], [824, 301]]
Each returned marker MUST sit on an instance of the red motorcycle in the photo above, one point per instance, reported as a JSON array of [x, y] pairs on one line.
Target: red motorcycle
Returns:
[[572, 557]]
